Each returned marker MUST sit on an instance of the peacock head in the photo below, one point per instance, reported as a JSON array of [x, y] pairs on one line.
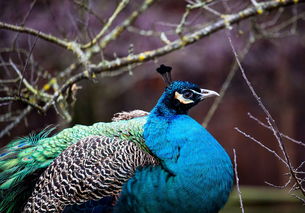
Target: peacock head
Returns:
[[180, 96]]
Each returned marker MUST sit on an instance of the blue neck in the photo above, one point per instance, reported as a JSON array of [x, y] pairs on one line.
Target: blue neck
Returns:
[[155, 130], [191, 155], [162, 108]]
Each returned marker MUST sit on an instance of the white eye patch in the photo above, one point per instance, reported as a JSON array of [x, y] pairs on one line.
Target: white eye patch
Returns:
[[195, 92], [181, 99]]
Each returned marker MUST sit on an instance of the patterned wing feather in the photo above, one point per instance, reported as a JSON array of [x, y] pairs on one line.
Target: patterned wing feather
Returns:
[[25, 159], [93, 168]]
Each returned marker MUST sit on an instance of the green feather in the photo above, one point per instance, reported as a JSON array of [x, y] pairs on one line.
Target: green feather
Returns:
[[23, 157], [7, 184]]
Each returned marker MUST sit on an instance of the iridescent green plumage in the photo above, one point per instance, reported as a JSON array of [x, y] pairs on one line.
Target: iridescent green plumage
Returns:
[[24, 159]]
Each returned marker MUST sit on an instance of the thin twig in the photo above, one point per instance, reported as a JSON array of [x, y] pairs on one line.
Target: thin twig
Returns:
[[119, 9], [270, 120], [26, 64], [117, 31], [89, 10], [225, 86], [24, 20], [282, 186], [262, 145], [44, 36], [180, 27], [27, 84], [254, 2], [268, 127], [20, 117], [23, 100], [237, 182], [9, 116]]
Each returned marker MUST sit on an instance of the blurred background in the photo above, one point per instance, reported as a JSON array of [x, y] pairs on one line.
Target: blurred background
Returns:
[[273, 45]]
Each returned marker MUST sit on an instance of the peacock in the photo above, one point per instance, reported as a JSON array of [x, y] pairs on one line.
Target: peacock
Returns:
[[163, 161]]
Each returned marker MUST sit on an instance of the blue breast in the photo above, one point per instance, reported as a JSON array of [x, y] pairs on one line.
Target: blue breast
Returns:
[[195, 174]]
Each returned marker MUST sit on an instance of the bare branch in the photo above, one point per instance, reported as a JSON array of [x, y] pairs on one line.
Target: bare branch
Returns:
[[116, 32], [189, 38], [89, 10], [27, 84], [82, 66], [17, 120], [21, 99], [237, 182], [47, 37], [24, 20], [262, 145], [26, 64], [268, 127], [225, 86], [270, 120], [119, 9]]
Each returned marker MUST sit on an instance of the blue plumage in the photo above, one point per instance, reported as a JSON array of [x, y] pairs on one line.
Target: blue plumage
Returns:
[[163, 162], [104, 205], [195, 174]]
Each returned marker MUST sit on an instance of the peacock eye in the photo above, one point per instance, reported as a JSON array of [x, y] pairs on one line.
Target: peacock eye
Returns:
[[188, 94]]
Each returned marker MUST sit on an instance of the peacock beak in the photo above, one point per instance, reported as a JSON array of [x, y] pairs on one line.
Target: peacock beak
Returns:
[[205, 93]]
